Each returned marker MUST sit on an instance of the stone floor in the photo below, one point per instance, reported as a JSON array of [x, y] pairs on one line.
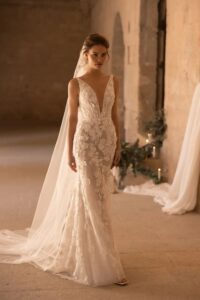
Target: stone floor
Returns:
[[160, 252]]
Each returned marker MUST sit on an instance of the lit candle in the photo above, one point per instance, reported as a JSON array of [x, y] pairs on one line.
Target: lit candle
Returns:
[[159, 174], [147, 141], [154, 152], [149, 137]]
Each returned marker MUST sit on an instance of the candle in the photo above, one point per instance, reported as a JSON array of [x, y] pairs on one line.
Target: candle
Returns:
[[154, 152], [159, 174], [149, 137], [147, 141]]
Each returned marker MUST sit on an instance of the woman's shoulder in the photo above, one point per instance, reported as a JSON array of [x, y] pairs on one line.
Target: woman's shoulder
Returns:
[[73, 81], [115, 80], [73, 84], [115, 77]]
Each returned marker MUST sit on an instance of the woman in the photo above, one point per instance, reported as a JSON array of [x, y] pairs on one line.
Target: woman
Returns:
[[71, 233]]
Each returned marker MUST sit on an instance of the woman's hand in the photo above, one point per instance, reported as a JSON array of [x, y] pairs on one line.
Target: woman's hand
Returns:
[[117, 156], [72, 163]]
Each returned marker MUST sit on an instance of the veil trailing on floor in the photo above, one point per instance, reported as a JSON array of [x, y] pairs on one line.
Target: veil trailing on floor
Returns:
[[38, 243], [181, 195]]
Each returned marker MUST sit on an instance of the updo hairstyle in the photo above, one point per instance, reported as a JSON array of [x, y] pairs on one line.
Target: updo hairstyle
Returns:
[[95, 39]]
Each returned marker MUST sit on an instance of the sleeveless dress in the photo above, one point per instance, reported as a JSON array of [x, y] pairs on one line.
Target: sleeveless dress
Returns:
[[87, 252]]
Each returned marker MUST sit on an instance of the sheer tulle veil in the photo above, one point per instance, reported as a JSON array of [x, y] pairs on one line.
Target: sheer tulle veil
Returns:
[[38, 243]]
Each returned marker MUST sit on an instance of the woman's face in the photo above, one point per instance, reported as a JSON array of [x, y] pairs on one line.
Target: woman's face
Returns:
[[96, 56]]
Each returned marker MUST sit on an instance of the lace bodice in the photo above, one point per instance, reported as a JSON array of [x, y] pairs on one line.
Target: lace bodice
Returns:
[[95, 136], [89, 107]]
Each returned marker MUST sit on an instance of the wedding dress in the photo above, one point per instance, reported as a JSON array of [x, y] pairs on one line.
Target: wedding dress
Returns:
[[71, 233]]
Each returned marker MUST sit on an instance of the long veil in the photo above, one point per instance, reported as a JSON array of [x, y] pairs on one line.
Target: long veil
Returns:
[[38, 243], [181, 195]]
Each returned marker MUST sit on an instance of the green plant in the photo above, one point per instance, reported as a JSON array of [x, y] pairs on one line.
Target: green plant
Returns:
[[157, 127], [133, 155]]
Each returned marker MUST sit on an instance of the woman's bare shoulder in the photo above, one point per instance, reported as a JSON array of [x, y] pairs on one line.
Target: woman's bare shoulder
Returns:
[[116, 81], [116, 78], [73, 81], [73, 84]]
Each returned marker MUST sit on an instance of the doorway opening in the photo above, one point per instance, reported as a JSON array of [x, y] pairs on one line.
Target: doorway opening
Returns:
[[117, 66]]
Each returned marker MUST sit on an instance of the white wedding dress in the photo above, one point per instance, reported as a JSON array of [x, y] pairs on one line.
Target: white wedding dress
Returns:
[[72, 235]]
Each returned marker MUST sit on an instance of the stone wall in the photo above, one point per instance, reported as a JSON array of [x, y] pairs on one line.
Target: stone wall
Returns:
[[105, 16], [40, 42], [147, 61], [182, 66], [182, 73]]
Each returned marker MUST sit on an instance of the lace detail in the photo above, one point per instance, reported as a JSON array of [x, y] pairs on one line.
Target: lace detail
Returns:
[[73, 236], [95, 137], [95, 254]]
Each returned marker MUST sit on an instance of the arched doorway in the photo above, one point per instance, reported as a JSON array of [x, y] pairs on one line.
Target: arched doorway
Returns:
[[161, 44], [117, 66], [151, 60]]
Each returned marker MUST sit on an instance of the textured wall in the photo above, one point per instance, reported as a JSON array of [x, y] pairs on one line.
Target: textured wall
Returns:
[[40, 42], [103, 20], [147, 61], [138, 21], [182, 72]]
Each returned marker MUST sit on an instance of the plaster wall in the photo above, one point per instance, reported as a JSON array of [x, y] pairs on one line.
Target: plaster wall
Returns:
[[103, 15], [182, 73], [40, 42]]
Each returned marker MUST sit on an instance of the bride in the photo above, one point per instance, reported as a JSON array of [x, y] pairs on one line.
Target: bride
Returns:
[[71, 233]]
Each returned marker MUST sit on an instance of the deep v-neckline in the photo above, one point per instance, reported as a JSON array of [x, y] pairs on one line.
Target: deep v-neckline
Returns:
[[92, 89]]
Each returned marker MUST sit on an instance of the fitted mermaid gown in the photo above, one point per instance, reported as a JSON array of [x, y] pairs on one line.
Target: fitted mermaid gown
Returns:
[[86, 251]]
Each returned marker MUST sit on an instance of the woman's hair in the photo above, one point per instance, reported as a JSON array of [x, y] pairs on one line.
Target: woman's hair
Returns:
[[94, 39]]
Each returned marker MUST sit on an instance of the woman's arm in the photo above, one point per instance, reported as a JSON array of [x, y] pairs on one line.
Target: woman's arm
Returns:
[[73, 95], [115, 118]]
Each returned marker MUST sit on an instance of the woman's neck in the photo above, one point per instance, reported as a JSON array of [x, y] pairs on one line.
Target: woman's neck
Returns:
[[94, 72]]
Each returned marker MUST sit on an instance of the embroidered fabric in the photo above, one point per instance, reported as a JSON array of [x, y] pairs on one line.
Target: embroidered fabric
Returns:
[[71, 234]]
